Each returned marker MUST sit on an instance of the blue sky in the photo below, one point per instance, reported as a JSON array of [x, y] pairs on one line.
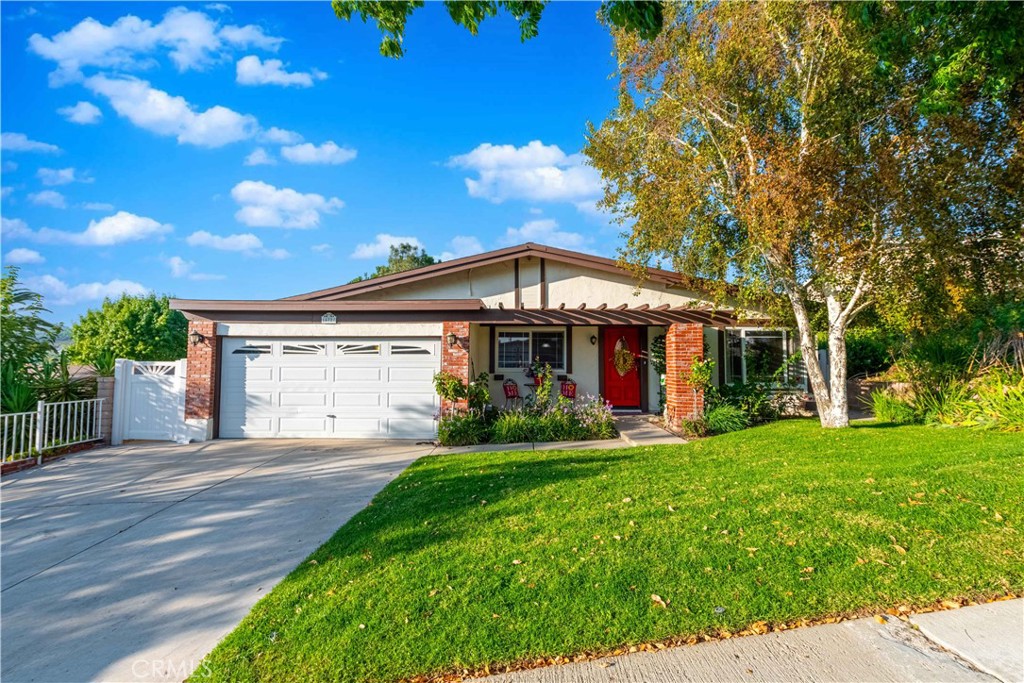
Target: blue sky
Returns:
[[259, 150]]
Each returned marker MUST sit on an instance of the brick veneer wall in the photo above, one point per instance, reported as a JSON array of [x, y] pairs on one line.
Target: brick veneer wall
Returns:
[[684, 342], [455, 359], [200, 380]]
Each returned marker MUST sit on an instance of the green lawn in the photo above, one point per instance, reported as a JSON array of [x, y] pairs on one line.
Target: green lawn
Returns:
[[469, 560]]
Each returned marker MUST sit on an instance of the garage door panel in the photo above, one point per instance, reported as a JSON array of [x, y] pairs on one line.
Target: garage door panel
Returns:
[[408, 374], [359, 428], [292, 373], [374, 388], [357, 399], [358, 374], [410, 400], [303, 399]]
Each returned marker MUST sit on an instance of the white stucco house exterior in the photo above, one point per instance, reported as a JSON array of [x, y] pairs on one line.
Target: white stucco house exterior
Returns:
[[357, 360]]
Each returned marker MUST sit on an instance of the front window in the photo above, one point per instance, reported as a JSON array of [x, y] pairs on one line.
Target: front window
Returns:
[[516, 350], [756, 356]]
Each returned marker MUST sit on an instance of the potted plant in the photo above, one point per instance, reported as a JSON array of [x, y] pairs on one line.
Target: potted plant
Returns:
[[537, 371]]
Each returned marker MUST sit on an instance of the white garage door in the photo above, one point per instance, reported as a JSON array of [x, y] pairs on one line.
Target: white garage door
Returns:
[[325, 388]]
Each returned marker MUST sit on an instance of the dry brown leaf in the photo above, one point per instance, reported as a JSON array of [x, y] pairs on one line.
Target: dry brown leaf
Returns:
[[880, 619], [900, 549], [658, 601]]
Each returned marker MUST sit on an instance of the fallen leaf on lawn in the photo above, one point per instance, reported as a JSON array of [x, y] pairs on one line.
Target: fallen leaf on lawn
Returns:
[[432, 593], [627, 499], [950, 604], [671, 509], [362, 625], [900, 549], [658, 601], [495, 616], [879, 618], [807, 570], [517, 561]]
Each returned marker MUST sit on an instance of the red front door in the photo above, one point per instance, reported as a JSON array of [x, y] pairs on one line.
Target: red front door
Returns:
[[621, 366]]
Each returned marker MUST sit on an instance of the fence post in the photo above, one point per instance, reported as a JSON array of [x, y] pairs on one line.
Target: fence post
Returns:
[[40, 411]]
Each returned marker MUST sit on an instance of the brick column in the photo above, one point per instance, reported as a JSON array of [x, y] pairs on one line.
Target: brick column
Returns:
[[105, 390], [200, 380], [455, 359], [684, 342]]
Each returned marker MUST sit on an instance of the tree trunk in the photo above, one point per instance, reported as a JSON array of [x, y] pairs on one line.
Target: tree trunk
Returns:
[[830, 396]]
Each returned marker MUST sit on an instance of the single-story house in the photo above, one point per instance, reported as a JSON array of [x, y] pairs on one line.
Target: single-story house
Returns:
[[357, 361]]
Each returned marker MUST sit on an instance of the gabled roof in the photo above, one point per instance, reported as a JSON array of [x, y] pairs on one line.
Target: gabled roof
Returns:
[[487, 258]]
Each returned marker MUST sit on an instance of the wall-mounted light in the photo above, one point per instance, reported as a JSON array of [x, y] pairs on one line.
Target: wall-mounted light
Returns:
[[452, 339], [194, 337], [593, 340]]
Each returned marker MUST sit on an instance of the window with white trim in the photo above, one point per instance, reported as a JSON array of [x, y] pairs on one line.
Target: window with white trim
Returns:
[[517, 350]]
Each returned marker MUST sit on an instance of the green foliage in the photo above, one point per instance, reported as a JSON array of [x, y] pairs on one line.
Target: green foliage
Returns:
[[701, 372], [462, 429], [515, 426], [724, 418], [401, 258], [562, 420], [869, 350], [477, 393], [892, 409], [643, 17], [54, 382], [104, 364], [17, 395], [543, 540], [656, 354], [25, 337], [962, 50], [132, 327]]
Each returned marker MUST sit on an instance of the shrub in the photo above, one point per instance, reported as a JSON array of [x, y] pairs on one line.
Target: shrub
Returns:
[[462, 429], [889, 408], [725, 418], [515, 426], [758, 400], [869, 351]]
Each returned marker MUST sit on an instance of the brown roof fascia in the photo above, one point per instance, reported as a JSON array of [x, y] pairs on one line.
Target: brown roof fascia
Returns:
[[284, 305], [487, 258]]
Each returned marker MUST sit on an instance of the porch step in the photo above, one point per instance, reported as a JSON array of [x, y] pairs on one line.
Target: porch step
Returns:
[[638, 430]]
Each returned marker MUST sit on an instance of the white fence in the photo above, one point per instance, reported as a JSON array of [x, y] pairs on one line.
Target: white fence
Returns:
[[52, 425], [149, 401]]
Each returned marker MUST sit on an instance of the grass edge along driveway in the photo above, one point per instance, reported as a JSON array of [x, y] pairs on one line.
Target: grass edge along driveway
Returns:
[[471, 560]]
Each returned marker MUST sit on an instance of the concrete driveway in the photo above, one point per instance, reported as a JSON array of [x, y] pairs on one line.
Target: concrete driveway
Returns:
[[131, 563]]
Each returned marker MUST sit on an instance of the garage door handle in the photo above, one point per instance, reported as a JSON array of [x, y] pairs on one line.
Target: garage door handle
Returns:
[[333, 417]]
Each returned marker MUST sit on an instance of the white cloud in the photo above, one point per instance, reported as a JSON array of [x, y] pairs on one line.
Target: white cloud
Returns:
[[19, 142], [265, 206], [50, 198], [245, 243], [324, 248], [462, 245], [534, 172], [279, 136], [380, 247], [83, 113], [23, 257], [14, 228], [217, 7], [180, 268], [158, 112], [327, 153], [193, 40], [546, 231], [250, 70], [97, 206], [117, 229], [61, 176], [58, 292], [259, 157]]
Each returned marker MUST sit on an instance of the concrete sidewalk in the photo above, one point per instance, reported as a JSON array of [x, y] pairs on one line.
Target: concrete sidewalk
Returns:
[[981, 643]]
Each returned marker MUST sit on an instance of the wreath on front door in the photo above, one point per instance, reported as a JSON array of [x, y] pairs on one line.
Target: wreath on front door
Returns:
[[623, 358]]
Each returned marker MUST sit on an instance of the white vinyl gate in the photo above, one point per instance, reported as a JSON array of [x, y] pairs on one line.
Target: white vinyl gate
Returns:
[[329, 388], [149, 401]]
